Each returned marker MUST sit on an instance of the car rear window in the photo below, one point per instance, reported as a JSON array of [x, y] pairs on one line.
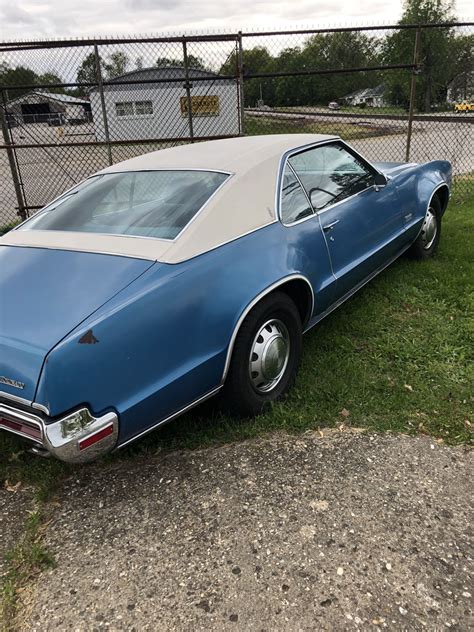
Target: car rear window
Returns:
[[156, 204]]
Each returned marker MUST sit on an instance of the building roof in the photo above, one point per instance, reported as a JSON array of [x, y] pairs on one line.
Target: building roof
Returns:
[[366, 93], [52, 96], [166, 76], [245, 203], [463, 80], [64, 98]]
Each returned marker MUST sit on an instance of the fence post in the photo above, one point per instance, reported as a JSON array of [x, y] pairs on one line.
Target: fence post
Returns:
[[8, 141], [187, 86], [240, 70], [411, 109], [100, 85]]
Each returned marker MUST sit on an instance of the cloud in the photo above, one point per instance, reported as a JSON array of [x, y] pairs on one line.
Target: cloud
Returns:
[[14, 15], [20, 19]]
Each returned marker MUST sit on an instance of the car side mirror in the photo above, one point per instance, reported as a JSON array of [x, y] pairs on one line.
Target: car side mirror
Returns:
[[379, 181]]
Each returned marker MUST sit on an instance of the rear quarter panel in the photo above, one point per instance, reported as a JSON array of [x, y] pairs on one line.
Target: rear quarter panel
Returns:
[[162, 342]]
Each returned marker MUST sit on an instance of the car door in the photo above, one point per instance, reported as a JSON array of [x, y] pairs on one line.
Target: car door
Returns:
[[361, 221]]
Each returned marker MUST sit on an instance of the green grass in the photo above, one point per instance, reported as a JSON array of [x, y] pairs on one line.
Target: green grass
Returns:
[[352, 109], [256, 125], [26, 560]]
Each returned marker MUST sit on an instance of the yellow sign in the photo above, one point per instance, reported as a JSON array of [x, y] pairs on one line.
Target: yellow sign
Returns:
[[464, 106], [207, 105]]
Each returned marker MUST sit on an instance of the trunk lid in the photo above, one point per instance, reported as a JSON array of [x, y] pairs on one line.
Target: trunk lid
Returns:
[[44, 294]]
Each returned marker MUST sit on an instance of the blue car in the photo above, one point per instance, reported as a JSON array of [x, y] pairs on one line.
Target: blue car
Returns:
[[171, 277]]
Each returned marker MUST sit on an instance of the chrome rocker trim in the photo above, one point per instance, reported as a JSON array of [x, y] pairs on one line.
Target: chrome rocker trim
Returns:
[[75, 438]]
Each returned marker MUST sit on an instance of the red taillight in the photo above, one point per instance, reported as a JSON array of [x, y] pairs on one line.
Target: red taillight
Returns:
[[22, 427], [98, 436]]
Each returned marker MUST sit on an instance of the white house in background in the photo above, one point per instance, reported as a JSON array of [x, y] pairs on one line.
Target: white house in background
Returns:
[[48, 107], [461, 88], [141, 111], [372, 97]]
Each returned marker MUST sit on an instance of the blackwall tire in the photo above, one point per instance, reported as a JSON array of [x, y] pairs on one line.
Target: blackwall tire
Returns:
[[265, 357]]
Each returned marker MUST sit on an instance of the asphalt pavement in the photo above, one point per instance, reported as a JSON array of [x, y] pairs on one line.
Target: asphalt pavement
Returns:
[[344, 531]]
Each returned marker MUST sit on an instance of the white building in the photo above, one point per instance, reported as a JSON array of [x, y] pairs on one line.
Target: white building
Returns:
[[141, 111], [371, 97], [48, 107], [461, 88]]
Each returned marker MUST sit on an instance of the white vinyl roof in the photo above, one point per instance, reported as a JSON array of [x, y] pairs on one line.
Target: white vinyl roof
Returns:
[[246, 202], [235, 155]]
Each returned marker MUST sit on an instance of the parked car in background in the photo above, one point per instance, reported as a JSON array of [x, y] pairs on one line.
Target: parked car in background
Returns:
[[464, 106], [334, 105], [171, 277]]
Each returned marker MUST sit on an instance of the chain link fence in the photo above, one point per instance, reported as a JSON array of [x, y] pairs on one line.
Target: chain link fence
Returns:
[[70, 108]]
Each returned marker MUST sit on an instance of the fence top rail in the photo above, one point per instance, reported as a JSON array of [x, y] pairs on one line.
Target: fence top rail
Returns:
[[75, 43], [218, 37], [345, 29], [222, 78]]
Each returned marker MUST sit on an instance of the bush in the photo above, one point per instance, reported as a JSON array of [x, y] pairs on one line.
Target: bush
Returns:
[[6, 227]]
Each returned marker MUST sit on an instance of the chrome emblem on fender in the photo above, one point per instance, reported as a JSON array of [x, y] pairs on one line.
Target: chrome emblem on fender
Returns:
[[9, 382]]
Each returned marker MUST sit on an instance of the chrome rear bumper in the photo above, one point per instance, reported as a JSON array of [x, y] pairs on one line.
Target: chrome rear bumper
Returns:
[[75, 438]]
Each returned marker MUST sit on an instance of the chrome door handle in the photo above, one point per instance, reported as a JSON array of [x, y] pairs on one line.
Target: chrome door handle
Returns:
[[330, 226]]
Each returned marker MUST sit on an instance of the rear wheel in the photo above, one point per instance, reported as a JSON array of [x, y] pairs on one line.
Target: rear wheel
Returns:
[[265, 358], [427, 241]]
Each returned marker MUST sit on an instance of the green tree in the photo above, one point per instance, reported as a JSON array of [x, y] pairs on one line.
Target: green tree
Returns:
[[338, 51], [165, 62], [18, 76], [116, 64], [436, 47], [462, 67], [193, 62], [50, 77], [255, 60], [87, 73]]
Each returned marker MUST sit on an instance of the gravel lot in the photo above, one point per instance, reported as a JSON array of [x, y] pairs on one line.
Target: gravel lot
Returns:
[[349, 531]]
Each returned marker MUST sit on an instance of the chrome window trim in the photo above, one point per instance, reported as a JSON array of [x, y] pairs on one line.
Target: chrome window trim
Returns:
[[283, 161], [252, 304], [303, 219], [229, 175], [96, 252]]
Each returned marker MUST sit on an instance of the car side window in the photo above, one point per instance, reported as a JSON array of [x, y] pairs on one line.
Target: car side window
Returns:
[[330, 173], [294, 203]]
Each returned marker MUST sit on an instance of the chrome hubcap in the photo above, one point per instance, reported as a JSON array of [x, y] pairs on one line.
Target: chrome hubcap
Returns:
[[429, 229], [269, 355]]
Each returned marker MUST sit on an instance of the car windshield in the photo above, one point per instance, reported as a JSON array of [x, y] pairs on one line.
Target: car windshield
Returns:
[[155, 204]]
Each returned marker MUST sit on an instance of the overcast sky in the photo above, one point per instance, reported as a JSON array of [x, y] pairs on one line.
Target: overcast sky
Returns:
[[75, 18]]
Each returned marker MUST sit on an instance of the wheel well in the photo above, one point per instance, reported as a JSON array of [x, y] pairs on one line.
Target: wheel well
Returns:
[[300, 293], [443, 196]]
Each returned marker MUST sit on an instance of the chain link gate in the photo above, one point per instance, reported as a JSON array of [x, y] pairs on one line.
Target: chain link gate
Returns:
[[70, 108]]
